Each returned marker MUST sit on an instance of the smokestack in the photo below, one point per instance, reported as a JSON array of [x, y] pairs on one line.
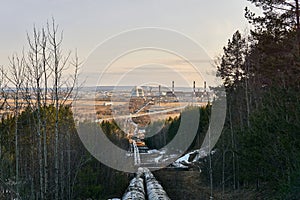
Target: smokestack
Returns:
[[159, 94], [159, 89], [204, 86], [194, 86], [173, 87]]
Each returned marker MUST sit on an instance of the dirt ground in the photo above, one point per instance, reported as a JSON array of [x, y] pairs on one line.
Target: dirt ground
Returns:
[[100, 109]]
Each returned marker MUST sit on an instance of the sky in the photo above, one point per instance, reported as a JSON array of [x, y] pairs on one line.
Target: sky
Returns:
[[86, 24]]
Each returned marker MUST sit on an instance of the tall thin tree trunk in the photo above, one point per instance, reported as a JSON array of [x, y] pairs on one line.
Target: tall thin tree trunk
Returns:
[[44, 63], [52, 32], [209, 154], [38, 77], [247, 102], [16, 141], [233, 148], [223, 173], [62, 173], [69, 164], [56, 144], [40, 151]]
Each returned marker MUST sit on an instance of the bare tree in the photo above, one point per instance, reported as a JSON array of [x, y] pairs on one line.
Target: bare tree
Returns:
[[55, 43], [44, 60], [30, 77], [35, 68], [16, 78], [62, 90]]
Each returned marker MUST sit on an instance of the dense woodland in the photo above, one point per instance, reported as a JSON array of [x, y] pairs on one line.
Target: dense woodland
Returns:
[[261, 138], [258, 152]]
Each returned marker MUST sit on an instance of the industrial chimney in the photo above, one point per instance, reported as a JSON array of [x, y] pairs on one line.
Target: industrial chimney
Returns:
[[173, 87], [194, 87]]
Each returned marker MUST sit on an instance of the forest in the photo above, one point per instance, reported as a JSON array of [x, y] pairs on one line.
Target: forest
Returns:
[[42, 156], [258, 153], [261, 137]]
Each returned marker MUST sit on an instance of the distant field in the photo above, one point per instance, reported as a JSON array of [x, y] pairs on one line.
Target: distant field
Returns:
[[101, 109]]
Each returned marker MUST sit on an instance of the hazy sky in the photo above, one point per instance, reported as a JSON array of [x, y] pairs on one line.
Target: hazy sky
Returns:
[[88, 23]]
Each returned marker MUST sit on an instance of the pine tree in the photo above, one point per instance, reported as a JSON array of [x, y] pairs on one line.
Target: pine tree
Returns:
[[231, 68]]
